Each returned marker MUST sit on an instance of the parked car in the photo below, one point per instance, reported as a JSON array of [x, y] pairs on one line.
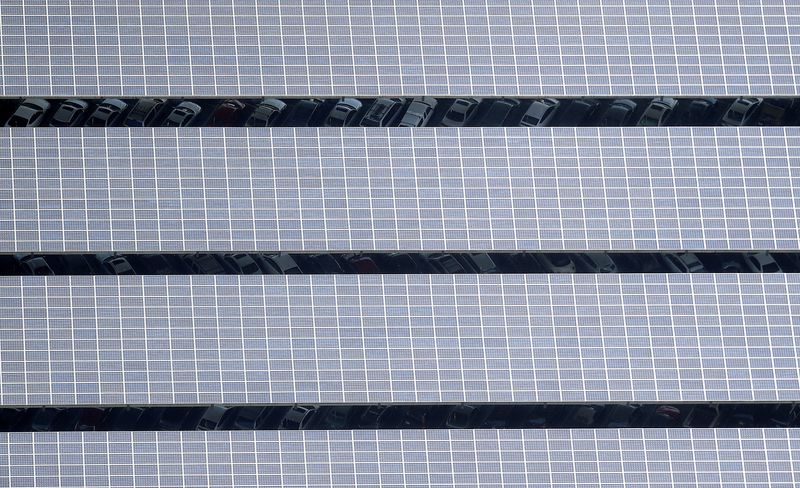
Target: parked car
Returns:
[[35, 265], [402, 263], [281, 264], [243, 263], [298, 417], [361, 264], [117, 265], [618, 114], [182, 115], [540, 113], [303, 113], [683, 262], [461, 112], [419, 112], [319, 264], [227, 113], [213, 417], [145, 112], [761, 262], [556, 263], [268, 113], [700, 112], [478, 262], [742, 111], [578, 112], [29, 113], [658, 112], [70, 113], [445, 263], [383, 112], [173, 418], [108, 113], [344, 113], [595, 262], [249, 418], [499, 111], [774, 110]]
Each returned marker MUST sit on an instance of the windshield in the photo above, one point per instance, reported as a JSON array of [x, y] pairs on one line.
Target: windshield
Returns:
[[17, 121]]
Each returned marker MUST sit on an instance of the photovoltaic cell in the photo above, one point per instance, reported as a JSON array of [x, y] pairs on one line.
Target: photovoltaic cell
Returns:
[[629, 458], [329, 189], [460, 47], [398, 338]]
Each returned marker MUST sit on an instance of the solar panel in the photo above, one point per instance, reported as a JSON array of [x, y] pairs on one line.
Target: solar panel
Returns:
[[328, 189], [633, 458], [108, 340], [467, 47]]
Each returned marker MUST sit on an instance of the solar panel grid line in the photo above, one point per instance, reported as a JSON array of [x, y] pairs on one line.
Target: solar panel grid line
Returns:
[[398, 338], [610, 457], [476, 189], [159, 48]]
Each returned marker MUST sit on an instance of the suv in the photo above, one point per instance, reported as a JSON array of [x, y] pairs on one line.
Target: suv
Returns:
[[383, 112], [145, 112]]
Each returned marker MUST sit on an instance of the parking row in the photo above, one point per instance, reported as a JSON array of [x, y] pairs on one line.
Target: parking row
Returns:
[[400, 112], [397, 263], [346, 417]]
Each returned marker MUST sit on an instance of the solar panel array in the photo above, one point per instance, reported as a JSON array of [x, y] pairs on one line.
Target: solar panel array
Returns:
[[395, 189], [629, 458], [464, 47], [398, 338]]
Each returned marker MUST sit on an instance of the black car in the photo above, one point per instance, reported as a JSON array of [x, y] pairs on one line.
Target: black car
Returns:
[[461, 112], [700, 112], [773, 111], [618, 114], [303, 113], [419, 112], [578, 112], [30, 113], [69, 113], [499, 111], [108, 113], [540, 113], [658, 112], [383, 112], [182, 115], [227, 113], [267, 114], [145, 112], [344, 113], [742, 111]]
